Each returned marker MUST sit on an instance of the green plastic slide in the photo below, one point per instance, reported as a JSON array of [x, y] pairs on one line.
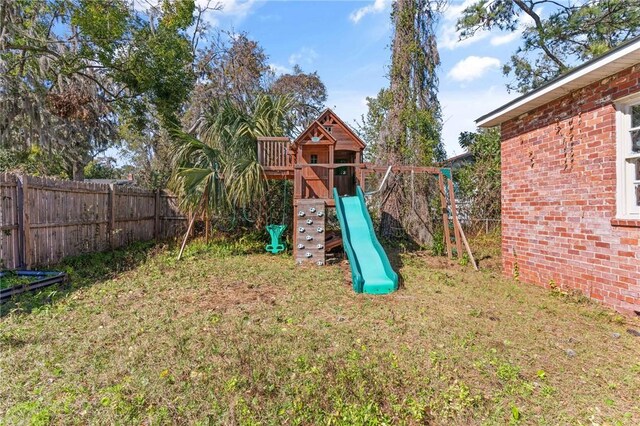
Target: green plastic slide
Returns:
[[371, 271]]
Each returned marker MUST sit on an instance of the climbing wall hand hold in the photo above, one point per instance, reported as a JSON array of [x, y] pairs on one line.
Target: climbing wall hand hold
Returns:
[[301, 229], [309, 222], [319, 263], [320, 213], [309, 238], [319, 246], [300, 213], [320, 230], [312, 209], [300, 246], [307, 254]]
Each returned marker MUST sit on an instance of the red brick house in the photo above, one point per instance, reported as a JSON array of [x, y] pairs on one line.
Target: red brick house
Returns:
[[571, 180]]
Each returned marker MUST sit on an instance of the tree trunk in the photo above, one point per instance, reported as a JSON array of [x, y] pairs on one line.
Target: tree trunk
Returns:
[[78, 171], [410, 134], [394, 134], [390, 221]]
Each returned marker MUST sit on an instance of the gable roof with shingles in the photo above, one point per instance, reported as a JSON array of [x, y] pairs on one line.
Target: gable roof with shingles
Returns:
[[342, 124]]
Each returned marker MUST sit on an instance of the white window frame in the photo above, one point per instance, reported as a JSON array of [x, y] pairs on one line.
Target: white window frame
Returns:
[[626, 203]]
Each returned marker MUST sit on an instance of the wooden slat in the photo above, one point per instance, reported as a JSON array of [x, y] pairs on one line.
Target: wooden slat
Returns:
[[44, 220], [65, 224], [273, 139], [9, 235], [273, 153], [156, 219], [68, 190], [26, 229], [330, 166], [111, 215]]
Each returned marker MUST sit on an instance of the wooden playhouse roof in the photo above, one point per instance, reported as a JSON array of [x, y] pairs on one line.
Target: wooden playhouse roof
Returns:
[[329, 116], [314, 129]]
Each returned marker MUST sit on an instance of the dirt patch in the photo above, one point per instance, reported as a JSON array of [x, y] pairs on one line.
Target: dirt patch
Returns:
[[346, 272], [233, 295]]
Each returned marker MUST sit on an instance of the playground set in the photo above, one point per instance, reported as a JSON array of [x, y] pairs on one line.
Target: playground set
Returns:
[[326, 165]]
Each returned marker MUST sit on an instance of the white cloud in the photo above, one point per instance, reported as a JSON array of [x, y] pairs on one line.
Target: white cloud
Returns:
[[460, 108], [304, 56], [501, 39], [376, 7], [350, 105], [279, 69], [449, 37], [454, 10], [235, 9], [472, 68]]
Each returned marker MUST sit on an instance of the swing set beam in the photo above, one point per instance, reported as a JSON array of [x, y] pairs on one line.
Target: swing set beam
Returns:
[[447, 203]]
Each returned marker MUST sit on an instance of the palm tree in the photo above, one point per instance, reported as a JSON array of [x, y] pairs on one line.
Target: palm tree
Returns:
[[219, 170]]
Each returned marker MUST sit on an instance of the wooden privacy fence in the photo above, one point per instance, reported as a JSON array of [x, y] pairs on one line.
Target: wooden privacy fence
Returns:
[[44, 220]]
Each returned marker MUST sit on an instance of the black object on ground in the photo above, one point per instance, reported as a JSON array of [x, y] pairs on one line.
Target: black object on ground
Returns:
[[39, 279]]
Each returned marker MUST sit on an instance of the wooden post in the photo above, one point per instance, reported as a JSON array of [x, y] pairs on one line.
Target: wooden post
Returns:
[[207, 226], [454, 213], [297, 184], [186, 235], [26, 228], [112, 215], [445, 214], [456, 223], [20, 212], [331, 172], [156, 219]]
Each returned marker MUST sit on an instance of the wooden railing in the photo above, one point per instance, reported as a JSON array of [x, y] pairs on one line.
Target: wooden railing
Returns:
[[273, 153], [323, 187]]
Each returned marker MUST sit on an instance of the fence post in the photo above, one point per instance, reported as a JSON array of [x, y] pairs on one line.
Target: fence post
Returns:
[[20, 217], [111, 212], [24, 230], [156, 223]]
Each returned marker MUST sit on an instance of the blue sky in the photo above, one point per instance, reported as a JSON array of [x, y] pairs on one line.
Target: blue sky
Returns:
[[347, 43]]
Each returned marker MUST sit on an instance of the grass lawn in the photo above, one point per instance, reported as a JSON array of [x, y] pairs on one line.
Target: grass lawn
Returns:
[[223, 337]]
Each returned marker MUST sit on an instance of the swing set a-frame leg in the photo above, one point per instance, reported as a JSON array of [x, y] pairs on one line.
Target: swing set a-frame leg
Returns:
[[457, 228], [193, 219], [456, 223], [445, 215], [186, 235]]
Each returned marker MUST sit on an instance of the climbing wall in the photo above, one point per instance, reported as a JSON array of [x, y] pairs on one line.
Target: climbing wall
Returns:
[[310, 232]]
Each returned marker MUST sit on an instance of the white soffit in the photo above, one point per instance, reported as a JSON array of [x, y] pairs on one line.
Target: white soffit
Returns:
[[616, 60]]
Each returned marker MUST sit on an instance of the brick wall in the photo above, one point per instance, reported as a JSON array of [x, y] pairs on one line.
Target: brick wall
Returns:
[[559, 196]]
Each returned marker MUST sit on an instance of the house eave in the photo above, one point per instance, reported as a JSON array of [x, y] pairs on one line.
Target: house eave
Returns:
[[612, 62]]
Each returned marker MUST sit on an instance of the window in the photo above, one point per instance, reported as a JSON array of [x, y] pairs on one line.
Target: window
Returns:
[[314, 159], [628, 161], [327, 128]]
